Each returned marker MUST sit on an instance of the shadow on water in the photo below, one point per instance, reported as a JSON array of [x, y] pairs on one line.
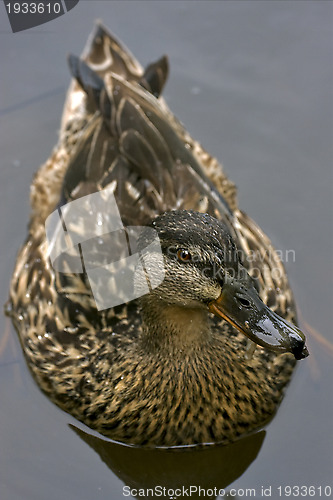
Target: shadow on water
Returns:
[[213, 467]]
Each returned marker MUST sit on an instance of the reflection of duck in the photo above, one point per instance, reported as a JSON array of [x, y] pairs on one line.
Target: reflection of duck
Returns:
[[182, 469], [160, 370]]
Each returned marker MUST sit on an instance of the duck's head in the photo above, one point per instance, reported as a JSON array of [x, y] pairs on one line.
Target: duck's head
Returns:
[[203, 271]]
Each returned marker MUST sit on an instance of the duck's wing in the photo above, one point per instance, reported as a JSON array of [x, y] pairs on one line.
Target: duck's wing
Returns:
[[131, 142], [198, 177]]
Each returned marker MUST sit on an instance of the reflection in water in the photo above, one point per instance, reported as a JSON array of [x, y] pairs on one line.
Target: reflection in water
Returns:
[[210, 467]]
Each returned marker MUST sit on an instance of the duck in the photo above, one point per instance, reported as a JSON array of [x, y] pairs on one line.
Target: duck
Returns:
[[204, 353]]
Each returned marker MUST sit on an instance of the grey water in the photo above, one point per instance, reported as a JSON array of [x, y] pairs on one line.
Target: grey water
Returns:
[[252, 81]]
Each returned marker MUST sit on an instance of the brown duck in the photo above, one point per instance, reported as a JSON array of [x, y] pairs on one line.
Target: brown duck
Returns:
[[176, 366]]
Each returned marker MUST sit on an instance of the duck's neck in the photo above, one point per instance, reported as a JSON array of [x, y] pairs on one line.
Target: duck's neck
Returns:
[[173, 328]]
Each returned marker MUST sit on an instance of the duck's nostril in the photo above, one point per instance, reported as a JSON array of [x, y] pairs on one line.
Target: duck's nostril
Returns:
[[244, 302]]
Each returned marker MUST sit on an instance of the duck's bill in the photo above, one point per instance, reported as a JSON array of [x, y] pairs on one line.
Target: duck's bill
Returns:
[[245, 311]]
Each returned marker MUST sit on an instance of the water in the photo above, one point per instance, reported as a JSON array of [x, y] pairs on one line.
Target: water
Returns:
[[252, 81]]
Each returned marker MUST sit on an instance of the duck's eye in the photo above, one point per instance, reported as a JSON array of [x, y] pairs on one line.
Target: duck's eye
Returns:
[[183, 255]]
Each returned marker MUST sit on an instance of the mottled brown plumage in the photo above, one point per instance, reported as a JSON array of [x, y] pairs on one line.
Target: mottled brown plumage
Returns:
[[161, 370]]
